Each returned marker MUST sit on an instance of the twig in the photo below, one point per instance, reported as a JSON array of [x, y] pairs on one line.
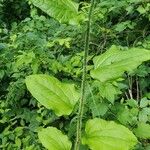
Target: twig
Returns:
[[130, 87]]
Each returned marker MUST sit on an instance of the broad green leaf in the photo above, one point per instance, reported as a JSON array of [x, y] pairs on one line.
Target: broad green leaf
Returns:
[[54, 139], [142, 131], [53, 94], [108, 135], [65, 11], [114, 62]]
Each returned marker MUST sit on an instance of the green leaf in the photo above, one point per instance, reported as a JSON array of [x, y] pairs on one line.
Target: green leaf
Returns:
[[124, 25], [142, 131], [53, 94], [132, 103], [25, 58], [114, 62], [141, 10], [123, 116], [143, 116], [65, 11], [98, 108], [108, 135], [144, 102], [54, 139], [128, 116], [108, 91]]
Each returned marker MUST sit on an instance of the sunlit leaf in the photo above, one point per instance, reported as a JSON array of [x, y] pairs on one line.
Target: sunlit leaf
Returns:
[[53, 94], [65, 11], [54, 139], [114, 62], [108, 135]]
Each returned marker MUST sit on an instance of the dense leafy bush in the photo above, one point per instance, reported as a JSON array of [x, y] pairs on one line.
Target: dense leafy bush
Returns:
[[13, 10], [31, 42]]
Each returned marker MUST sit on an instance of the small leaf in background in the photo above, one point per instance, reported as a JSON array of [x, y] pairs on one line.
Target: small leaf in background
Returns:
[[143, 117], [144, 102], [60, 41], [24, 59], [108, 91], [98, 108], [132, 103], [129, 9], [146, 110], [2, 73], [142, 131], [108, 135], [53, 94], [124, 116], [124, 25], [141, 10], [128, 116], [54, 139]]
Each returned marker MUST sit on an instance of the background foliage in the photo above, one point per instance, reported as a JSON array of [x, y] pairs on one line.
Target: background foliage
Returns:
[[32, 42]]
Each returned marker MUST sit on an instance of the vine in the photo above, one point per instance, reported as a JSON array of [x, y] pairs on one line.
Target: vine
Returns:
[[83, 84]]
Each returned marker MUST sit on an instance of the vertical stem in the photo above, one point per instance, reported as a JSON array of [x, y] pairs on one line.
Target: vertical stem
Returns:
[[83, 84], [137, 89], [130, 87]]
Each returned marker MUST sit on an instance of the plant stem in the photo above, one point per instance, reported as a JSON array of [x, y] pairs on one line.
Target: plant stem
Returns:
[[137, 89], [83, 84]]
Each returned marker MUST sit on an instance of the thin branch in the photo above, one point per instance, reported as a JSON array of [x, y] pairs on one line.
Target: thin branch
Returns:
[[130, 87]]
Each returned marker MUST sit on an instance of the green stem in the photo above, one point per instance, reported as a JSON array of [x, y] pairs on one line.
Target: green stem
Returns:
[[83, 84]]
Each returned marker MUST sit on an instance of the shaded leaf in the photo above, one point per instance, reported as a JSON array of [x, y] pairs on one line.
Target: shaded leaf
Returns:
[[104, 135], [108, 91], [53, 94], [142, 131], [54, 139], [98, 108], [124, 25], [25, 58], [128, 116]]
